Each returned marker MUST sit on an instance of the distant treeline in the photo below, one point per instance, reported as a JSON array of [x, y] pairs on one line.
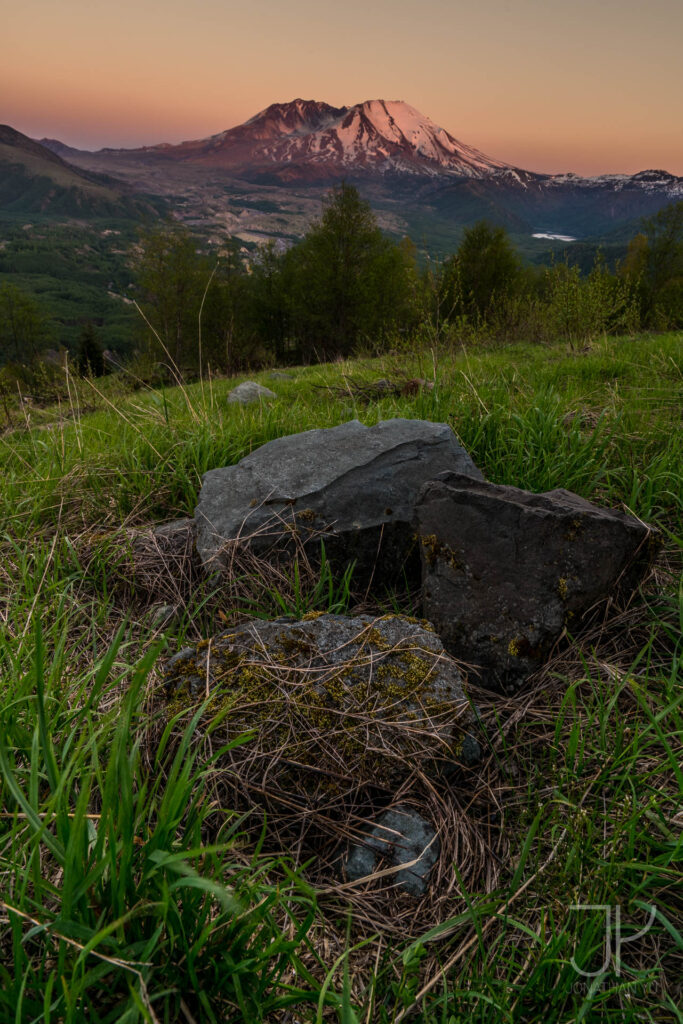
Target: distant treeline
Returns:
[[346, 288]]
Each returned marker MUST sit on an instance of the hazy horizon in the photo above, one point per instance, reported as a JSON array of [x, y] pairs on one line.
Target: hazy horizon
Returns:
[[544, 85]]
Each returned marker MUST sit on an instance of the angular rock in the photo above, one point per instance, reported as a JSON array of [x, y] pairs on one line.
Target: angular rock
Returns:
[[334, 702], [357, 485], [504, 571], [400, 836], [248, 392]]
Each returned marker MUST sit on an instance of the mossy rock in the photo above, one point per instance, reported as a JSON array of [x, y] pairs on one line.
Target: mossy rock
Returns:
[[331, 701]]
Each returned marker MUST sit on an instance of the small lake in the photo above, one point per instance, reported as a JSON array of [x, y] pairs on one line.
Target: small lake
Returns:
[[554, 238]]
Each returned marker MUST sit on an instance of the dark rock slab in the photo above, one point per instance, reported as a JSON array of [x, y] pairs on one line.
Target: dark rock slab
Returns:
[[333, 701], [356, 485], [505, 571], [400, 836]]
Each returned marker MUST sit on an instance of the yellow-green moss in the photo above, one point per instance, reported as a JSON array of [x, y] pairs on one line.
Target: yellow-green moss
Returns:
[[575, 528], [457, 747], [434, 550], [374, 637], [411, 619], [516, 646], [295, 642]]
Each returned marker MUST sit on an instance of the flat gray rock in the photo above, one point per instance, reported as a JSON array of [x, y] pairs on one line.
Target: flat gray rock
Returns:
[[506, 571], [355, 484], [248, 392]]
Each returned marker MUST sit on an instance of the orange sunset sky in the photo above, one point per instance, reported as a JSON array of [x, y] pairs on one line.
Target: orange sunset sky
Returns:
[[581, 85]]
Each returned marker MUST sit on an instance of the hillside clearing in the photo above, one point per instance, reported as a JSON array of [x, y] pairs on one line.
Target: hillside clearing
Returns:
[[128, 894]]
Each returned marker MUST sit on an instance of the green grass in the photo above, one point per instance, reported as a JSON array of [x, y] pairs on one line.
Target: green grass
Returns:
[[127, 893]]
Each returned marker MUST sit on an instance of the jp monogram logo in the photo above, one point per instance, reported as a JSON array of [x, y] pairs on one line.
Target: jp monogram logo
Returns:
[[614, 940]]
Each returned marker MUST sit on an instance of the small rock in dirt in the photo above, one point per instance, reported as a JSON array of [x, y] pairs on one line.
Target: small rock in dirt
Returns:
[[506, 571], [162, 615], [471, 751], [401, 835]]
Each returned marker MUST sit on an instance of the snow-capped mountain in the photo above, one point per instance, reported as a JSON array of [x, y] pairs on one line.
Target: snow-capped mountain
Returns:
[[310, 141], [652, 181], [422, 179], [314, 139]]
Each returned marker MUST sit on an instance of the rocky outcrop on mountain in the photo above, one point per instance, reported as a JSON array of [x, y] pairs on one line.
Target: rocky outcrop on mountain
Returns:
[[505, 572], [352, 485]]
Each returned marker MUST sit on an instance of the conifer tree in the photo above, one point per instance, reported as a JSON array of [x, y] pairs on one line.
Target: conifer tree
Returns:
[[90, 355]]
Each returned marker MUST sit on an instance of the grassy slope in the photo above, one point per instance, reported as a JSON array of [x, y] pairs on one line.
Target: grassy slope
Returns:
[[584, 767]]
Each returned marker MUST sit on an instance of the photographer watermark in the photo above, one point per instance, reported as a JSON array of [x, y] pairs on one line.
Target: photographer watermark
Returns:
[[614, 940]]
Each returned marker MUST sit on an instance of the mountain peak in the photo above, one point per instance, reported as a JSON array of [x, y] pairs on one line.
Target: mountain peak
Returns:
[[309, 139], [295, 115]]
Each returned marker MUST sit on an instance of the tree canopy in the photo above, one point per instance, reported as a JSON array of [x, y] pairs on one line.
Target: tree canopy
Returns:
[[23, 327], [346, 282], [485, 268]]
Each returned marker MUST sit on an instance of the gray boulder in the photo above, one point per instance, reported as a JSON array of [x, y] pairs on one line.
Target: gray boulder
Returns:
[[248, 392], [505, 571], [356, 485], [332, 701], [400, 836]]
